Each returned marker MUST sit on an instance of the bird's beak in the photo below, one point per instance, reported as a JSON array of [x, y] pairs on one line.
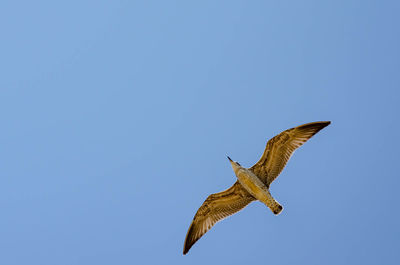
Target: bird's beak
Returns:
[[229, 158]]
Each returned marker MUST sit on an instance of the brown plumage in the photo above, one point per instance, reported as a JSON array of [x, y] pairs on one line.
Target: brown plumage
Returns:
[[215, 208], [280, 148], [277, 153]]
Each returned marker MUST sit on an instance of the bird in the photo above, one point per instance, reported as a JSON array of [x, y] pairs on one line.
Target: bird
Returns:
[[252, 183]]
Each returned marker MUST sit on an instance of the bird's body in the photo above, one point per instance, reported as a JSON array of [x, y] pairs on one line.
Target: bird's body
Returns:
[[253, 183]]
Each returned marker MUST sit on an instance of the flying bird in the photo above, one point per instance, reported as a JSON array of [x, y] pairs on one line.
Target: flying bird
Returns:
[[252, 183]]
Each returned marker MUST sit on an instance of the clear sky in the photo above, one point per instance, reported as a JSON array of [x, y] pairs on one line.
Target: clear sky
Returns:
[[117, 116]]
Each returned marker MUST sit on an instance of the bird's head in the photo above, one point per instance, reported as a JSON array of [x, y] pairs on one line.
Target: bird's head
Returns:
[[235, 165]]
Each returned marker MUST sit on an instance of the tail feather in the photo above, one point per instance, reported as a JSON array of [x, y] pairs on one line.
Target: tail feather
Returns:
[[276, 208], [268, 200]]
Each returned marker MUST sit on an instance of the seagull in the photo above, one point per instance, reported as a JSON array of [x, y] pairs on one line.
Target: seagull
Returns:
[[252, 183]]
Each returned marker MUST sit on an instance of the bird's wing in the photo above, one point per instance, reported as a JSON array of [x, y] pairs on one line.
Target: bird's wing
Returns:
[[216, 207], [280, 148]]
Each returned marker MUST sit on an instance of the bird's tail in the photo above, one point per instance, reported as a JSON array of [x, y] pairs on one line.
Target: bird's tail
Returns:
[[268, 200], [275, 207]]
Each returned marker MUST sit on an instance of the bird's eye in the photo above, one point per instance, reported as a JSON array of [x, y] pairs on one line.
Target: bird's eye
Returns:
[[237, 163]]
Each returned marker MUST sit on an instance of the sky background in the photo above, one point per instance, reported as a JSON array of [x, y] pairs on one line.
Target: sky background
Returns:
[[117, 116]]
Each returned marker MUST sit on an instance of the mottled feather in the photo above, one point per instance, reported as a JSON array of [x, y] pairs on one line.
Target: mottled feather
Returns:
[[280, 148], [215, 208], [223, 204]]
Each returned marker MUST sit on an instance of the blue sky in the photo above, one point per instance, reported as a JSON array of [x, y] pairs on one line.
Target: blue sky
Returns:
[[117, 116]]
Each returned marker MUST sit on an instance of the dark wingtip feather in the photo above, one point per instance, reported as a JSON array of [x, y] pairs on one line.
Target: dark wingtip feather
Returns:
[[326, 122], [187, 247], [318, 124], [188, 240], [323, 124]]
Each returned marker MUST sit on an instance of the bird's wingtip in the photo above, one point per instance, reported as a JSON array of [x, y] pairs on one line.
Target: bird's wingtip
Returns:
[[186, 248], [326, 123]]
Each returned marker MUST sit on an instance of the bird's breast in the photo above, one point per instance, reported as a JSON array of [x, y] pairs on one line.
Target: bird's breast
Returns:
[[252, 183]]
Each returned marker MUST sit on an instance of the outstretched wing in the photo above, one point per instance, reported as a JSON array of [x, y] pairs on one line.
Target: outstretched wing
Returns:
[[216, 207], [280, 148]]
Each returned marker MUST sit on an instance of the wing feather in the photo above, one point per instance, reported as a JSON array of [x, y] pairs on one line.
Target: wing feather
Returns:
[[280, 148], [215, 208]]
